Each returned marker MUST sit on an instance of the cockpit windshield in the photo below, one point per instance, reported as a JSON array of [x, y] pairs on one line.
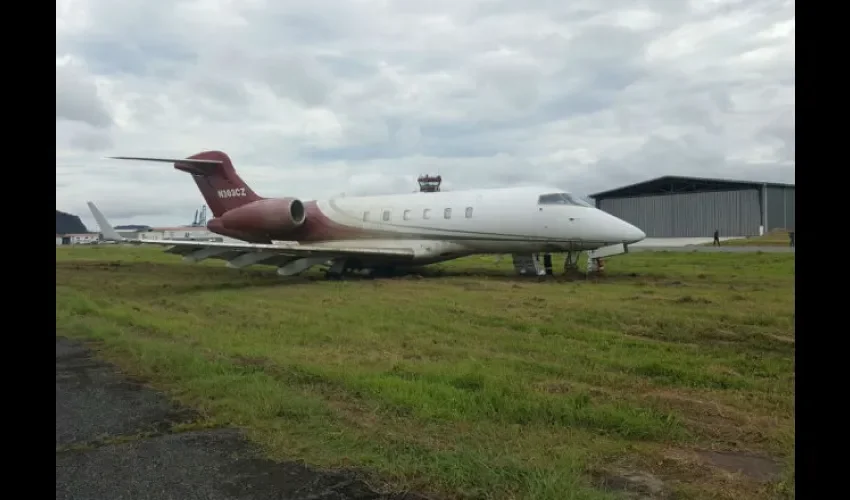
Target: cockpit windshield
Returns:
[[561, 199]]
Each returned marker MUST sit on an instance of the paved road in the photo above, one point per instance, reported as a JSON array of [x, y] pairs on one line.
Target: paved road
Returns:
[[114, 440], [720, 249]]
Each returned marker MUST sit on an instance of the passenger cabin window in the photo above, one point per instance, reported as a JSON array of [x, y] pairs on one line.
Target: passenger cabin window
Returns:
[[561, 199], [365, 216], [426, 214], [468, 212], [407, 215], [447, 213], [386, 215]]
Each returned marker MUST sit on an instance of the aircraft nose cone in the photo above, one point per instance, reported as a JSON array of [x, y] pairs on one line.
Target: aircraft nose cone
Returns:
[[615, 230], [633, 234]]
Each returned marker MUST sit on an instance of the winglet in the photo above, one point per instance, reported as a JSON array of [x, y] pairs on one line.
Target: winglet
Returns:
[[109, 234]]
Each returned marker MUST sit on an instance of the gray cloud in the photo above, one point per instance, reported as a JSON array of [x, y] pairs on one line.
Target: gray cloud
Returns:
[[297, 77], [315, 98], [91, 141], [77, 98]]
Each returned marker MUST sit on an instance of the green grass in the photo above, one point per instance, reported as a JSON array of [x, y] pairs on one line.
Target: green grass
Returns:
[[776, 238], [472, 384]]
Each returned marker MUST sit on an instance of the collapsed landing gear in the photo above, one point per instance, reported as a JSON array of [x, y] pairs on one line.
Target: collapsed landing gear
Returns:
[[337, 269], [547, 264], [571, 262], [595, 265], [341, 268], [529, 264], [383, 272]]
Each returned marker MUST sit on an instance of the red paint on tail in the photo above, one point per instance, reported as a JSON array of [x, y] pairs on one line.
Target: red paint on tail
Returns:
[[221, 186]]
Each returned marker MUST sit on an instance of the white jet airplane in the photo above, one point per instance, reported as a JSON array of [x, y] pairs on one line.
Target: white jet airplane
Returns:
[[379, 234]]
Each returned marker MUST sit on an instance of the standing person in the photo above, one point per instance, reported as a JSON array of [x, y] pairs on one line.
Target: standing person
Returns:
[[716, 238], [547, 263], [791, 238]]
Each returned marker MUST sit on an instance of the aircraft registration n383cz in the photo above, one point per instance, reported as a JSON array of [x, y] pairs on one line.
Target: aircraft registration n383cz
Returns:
[[378, 234]]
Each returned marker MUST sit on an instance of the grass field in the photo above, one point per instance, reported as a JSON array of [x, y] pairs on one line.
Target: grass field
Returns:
[[668, 374], [771, 239]]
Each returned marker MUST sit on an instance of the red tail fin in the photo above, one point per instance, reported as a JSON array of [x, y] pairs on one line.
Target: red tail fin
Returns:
[[218, 182], [215, 176]]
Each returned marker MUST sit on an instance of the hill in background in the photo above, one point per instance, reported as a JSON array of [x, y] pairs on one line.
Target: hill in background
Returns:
[[69, 224]]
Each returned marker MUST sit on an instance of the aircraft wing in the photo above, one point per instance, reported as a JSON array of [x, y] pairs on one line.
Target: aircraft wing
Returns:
[[294, 250], [241, 254]]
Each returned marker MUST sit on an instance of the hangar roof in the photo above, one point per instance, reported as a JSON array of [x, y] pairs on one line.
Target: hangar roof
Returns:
[[675, 184]]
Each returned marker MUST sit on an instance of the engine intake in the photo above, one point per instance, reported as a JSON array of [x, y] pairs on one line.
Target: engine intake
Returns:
[[276, 216]]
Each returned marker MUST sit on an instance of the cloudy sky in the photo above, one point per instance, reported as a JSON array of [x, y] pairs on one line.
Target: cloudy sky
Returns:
[[313, 98]]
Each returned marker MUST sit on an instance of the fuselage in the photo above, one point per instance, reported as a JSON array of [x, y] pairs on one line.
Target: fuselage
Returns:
[[390, 230], [445, 225]]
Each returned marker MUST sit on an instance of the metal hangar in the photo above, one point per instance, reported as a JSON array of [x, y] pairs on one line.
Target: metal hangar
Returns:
[[688, 207]]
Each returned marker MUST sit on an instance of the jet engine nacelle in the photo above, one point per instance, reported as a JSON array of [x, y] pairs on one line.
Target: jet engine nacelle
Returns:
[[275, 216]]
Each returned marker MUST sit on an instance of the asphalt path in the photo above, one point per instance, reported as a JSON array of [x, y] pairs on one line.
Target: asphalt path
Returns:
[[712, 249], [116, 439]]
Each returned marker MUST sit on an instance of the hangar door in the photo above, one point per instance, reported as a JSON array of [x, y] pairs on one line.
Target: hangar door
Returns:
[[690, 215], [780, 208]]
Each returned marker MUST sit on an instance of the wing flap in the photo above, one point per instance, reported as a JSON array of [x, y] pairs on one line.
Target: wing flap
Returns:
[[295, 250], [196, 254]]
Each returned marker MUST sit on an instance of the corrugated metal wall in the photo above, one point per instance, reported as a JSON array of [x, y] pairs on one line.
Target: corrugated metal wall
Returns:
[[780, 208], [690, 215]]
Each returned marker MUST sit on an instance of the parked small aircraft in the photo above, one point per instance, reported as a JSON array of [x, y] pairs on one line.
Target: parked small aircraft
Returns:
[[379, 234]]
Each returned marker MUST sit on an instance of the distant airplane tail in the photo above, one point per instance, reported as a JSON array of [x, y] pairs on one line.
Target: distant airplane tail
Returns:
[[106, 229], [216, 178]]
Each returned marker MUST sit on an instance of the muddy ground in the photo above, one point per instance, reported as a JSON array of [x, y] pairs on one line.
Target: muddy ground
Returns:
[[116, 439]]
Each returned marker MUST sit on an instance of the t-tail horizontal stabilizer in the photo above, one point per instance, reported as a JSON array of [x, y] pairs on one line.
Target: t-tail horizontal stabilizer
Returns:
[[195, 166], [109, 234], [188, 161]]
